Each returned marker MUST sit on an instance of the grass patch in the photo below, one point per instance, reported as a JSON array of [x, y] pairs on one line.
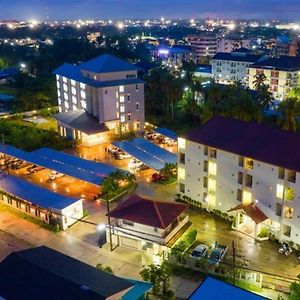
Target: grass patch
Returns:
[[244, 285], [170, 180], [29, 218]]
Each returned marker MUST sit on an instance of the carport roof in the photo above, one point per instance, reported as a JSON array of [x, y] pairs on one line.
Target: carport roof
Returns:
[[34, 194], [166, 132], [58, 166]]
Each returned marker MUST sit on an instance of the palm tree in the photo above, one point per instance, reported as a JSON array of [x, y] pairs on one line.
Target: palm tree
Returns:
[[264, 97], [259, 81], [290, 111]]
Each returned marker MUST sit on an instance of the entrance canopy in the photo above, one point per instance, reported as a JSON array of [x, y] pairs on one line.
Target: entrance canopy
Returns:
[[252, 211]]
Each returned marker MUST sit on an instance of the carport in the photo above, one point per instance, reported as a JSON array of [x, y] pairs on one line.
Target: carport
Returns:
[[60, 166], [166, 132]]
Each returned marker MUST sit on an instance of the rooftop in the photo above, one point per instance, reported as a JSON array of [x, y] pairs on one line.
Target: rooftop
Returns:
[[211, 288], [284, 63], [81, 120], [260, 142], [148, 212], [34, 194], [238, 56], [43, 273]]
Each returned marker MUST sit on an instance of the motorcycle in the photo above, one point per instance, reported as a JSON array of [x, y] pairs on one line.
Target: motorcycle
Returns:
[[286, 249]]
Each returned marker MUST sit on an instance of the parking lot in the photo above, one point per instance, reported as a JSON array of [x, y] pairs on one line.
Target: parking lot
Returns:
[[64, 185]]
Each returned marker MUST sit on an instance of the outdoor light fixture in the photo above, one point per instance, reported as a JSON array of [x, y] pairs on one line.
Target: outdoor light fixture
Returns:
[[101, 228]]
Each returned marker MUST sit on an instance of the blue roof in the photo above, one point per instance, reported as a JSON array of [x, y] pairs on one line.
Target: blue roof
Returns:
[[6, 97], [9, 72], [141, 155], [34, 194], [100, 169], [154, 150], [74, 72], [166, 132], [137, 291], [212, 288], [107, 63], [60, 167]]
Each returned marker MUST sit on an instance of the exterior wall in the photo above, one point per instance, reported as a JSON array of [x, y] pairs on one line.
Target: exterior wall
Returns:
[[226, 71], [203, 45], [230, 184], [229, 45], [72, 213], [280, 83]]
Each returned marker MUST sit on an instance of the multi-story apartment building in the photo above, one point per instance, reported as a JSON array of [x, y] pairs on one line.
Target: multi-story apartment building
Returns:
[[249, 170], [99, 98], [229, 67], [229, 44], [203, 45], [282, 74]]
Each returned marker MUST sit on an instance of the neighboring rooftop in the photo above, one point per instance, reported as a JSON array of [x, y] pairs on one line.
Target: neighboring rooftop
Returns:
[[242, 50], [238, 56], [260, 142], [81, 120], [9, 72], [34, 194], [211, 288], [43, 273], [284, 63], [148, 212]]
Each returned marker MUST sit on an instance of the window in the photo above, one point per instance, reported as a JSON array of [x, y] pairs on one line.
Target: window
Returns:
[[205, 166], [240, 177], [129, 117], [73, 82], [212, 168], [288, 213], [74, 99], [136, 87], [67, 106], [181, 143], [122, 119], [58, 92], [249, 164], [66, 96], [121, 88], [249, 180], [286, 230], [279, 191], [239, 195], [65, 79], [138, 125], [212, 185], [278, 209], [182, 158], [289, 194], [291, 177], [83, 104], [205, 150], [73, 90], [58, 84], [137, 106], [205, 197], [247, 197], [128, 97], [181, 173], [105, 92], [281, 173], [241, 161], [82, 86], [205, 182], [122, 99], [122, 108], [130, 76], [213, 153], [65, 87], [82, 94], [181, 187]]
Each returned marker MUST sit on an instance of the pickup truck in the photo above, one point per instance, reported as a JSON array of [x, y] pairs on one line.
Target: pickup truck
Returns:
[[218, 254]]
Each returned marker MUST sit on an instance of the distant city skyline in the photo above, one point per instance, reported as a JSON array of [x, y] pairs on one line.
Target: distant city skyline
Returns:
[[121, 9]]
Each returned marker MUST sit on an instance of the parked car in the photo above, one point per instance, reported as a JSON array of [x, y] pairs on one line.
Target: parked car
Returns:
[[134, 163], [121, 155], [53, 175], [218, 254], [156, 177], [200, 251], [112, 149], [34, 169]]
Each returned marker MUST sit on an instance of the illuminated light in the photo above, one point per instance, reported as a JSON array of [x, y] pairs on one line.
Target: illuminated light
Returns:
[[120, 25], [220, 204], [256, 201], [181, 173], [10, 26], [212, 185], [67, 190], [231, 26], [163, 51], [181, 143], [212, 168], [82, 195], [78, 25], [186, 88], [279, 191], [101, 227], [247, 197]]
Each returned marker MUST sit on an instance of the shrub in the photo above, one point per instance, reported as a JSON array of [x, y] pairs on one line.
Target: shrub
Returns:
[[264, 232]]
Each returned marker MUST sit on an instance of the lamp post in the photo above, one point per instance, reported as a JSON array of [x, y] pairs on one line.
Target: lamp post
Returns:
[[101, 228], [109, 227]]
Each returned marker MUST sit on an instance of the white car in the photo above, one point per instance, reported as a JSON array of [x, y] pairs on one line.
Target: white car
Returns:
[[200, 251], [134, 163], [53, 175]]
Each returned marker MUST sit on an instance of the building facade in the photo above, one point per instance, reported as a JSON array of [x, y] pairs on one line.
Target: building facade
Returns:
[[230, 67], [229, 44], [101, 97], [282, 74], [246, 170], [203, 45]]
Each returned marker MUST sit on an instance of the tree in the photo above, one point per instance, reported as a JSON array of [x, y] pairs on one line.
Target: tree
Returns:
[[107, 269], [289, 110], [264, 97], [259, 81], [159, 276], [295, 93]]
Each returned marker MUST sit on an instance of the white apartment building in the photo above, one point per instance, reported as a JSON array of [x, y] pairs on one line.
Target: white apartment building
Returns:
[[229, 44], [282, 74], [203, 45], [246, 169], [99, 98], [230, 67]]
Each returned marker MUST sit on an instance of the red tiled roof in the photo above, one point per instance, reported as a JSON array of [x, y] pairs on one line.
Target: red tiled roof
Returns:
[[148, 212], [260, 142], [252, 211]]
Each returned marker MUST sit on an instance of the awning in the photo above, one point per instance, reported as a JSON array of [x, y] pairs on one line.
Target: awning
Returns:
[[252, 211]]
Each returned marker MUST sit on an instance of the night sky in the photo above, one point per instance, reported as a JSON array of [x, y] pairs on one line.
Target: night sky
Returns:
[[75, 9]]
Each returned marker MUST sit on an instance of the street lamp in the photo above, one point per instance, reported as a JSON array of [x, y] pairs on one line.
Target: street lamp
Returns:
[[101, 228]]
